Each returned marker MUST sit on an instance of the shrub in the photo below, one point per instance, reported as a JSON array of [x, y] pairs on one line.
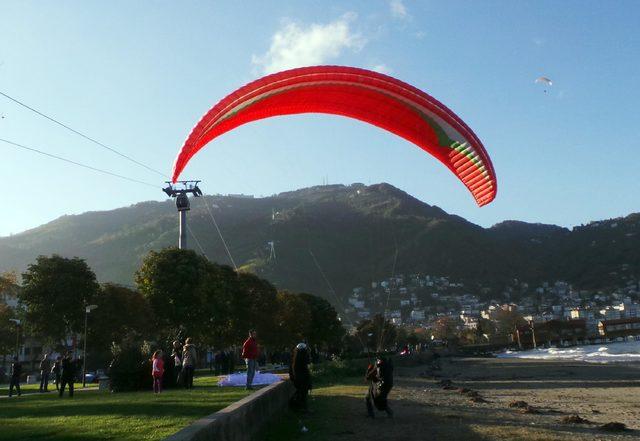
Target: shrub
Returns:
[[130, 368], [338, 369]]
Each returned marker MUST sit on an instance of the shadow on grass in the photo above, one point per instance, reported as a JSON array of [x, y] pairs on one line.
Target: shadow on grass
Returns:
[[336, 417]]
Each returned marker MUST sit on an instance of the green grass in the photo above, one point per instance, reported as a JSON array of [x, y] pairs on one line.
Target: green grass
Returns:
[[27, 389], [95, 415], [329, 406]]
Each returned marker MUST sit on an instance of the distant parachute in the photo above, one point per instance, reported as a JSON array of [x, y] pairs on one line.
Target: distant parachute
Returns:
[[544, 81], [361, 94]]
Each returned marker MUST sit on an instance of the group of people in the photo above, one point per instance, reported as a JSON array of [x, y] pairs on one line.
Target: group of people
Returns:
[[379, 374], [63, 370], [184, 359], [223, 362]]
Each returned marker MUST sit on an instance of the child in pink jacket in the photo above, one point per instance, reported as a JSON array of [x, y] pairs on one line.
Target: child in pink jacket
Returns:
[[157, 371]]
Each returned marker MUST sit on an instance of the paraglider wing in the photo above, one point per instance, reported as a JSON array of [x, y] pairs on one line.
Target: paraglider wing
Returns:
[[544, 80], [356, 93]]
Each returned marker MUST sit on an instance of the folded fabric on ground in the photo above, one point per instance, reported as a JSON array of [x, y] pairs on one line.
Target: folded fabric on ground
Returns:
[[240, 379]]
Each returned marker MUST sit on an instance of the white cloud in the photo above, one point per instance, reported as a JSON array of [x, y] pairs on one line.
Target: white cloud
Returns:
[[538, 41], [295, 45], [382, 68], [398, 9], [420, 35]]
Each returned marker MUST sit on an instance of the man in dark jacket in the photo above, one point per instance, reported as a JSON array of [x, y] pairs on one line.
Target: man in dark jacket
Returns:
[[16, 372], [45, 369], [250, 355], [380, 378], [56, 370], [68, 374], [300, 376]]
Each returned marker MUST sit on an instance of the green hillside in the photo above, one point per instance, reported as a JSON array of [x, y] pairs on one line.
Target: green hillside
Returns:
[[356, 233]]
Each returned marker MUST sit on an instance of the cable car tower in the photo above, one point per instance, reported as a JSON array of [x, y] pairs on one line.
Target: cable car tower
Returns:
[[180, 191]]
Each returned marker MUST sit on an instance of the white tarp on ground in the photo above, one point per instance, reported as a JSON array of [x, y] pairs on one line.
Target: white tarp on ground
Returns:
[[240, 379]]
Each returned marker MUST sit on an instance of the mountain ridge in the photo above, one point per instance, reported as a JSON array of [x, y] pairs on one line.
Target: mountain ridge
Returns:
[[354, 234]]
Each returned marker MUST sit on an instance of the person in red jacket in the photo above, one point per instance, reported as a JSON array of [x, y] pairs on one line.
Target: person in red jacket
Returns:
[[250, 355]]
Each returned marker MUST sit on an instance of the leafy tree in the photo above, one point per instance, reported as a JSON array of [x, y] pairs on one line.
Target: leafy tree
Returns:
[[325, 330], [122, 313], [172, 280], [506, 322], [223, 319], [293, 319], [377, 334], [8, 281], [55, 292], [7, 332], [262, 306], [446, 329]]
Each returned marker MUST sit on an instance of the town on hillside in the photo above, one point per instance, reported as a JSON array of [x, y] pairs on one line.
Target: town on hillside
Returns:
[[559, 313]]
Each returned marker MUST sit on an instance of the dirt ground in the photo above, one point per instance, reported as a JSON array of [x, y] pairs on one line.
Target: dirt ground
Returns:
[[424, 410]]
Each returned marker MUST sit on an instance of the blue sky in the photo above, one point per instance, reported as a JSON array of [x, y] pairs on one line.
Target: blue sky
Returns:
[[138, 75]]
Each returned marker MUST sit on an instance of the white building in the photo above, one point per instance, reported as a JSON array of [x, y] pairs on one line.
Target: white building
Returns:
[[610, 313]]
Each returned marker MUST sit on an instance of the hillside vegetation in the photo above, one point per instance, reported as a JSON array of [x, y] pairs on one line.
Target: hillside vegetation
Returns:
[[356, 233]]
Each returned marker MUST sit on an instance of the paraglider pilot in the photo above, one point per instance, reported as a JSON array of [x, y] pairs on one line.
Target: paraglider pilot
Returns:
[[380, 378], [300, 375]]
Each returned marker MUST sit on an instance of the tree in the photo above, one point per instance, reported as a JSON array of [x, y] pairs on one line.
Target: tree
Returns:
[[7, 331], [506, 322], [377, 334], [225, 308], [446, 329], [325, 330], [172, 280], [122, 313], [54, 293], [293, 319], [8, 281], [262, 307]]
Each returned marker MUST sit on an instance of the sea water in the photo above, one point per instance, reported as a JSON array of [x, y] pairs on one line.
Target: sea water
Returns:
[[599, 353]]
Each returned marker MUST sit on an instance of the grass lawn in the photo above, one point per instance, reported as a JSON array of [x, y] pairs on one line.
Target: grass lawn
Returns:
[[35, 388], [329, 404], [96, 415]]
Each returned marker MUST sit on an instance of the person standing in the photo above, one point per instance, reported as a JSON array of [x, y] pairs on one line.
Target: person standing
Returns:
[[67, 374], [16, 372], [189, 361], [45, 369], [157, 371], [177, 360], [250, 355], [300, 375], [55, 370], [380, 378]]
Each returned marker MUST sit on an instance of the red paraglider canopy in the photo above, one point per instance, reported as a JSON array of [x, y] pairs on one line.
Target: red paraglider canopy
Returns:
[[356, 93]]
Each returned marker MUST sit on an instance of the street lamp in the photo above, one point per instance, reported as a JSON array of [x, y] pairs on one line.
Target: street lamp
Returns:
[[17, 322], [87, 310]]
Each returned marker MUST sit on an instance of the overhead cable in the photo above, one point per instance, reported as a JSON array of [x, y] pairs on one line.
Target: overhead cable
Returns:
[[60, 158], [88, 138], [224, 242]]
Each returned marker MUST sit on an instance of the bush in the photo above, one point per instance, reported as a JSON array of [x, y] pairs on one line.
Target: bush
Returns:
[[131, 367], [338, 369]]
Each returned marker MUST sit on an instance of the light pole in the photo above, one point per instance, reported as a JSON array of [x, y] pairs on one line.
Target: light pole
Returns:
[[17, 322], [87, 310]]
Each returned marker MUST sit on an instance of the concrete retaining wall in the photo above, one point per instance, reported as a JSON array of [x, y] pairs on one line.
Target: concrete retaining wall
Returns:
[[241, 420]]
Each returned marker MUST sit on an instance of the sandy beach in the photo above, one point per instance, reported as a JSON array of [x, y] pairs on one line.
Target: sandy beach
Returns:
[[599, 393], [425, 410]]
